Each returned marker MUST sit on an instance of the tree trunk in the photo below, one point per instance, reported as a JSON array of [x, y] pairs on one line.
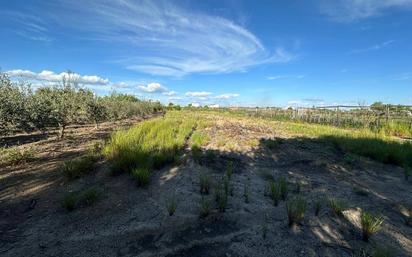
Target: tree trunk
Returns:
[[61, 131]]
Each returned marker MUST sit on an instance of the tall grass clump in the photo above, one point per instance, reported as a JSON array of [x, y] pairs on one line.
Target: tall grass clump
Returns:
[[283, 187], [370, 225], [337, 206], [171, 204], [151, 144], [274, 192], [205, 182], [296, 210], [141, 175]]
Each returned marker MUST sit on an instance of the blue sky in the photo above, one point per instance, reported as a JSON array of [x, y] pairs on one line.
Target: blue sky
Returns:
[[249, 53]]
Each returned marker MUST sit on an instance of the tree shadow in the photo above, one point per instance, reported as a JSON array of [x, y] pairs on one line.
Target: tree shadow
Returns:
[[317, 165]]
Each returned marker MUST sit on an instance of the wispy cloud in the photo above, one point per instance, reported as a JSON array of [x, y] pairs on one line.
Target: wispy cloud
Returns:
[[29, 26], [50, 76], [354, 10], [166, 39], [276, 77], [226, 96], [375, 47], [198, 94], [404, 76]]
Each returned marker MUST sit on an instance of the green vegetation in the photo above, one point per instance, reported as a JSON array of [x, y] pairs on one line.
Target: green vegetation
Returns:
[[57, 106], [383, 251], [205, 182], [151, 144], [205, 207], [370, 225], [141, 175], [15, 155], [296, 210], [283, 187], [69, 201], [272, 144], [86, 197], [318, 206], [79, 166], [171, 204], [221, 195], [337, 206], [274, 192]]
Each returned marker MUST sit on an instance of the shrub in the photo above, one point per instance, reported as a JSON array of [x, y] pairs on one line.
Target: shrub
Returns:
[[296, 211], [283, 187], [274, 192], [171, 204], [205, 183], [79, 166], [337, 206], [141, 175], [205, 207], [15, 156], [370, 225]]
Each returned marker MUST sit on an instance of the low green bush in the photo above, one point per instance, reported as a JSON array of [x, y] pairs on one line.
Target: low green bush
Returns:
[[78, 167]]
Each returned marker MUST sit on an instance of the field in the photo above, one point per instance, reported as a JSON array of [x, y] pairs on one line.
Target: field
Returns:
[[207, 183]]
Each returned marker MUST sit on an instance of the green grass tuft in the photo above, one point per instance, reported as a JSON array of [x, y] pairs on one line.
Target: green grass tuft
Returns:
[[205, 182], [337, 206], [78, 167], [171, 204], [296, 210], [142, 176], [205, 207], [370, 225], [274, 192], [283, 187]]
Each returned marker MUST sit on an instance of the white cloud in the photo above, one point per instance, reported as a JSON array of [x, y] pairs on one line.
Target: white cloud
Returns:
[[153, 88], [198, 94], [50, 76], [285, 77], [226, 96], [373, 48], [354, 10], [175, 98], [169, 93], [166, 39]]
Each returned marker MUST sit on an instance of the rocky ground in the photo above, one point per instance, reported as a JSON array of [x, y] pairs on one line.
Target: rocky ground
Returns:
[[132, 221]]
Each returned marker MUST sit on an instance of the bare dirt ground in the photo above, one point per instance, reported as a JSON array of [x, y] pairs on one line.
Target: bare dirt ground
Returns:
[[132, 221]]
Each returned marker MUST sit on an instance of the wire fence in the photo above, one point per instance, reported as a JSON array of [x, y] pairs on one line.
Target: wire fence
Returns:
[[398, 119]]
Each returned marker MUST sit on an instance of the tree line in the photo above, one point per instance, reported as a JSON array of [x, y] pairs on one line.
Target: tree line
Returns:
[[62, 104]]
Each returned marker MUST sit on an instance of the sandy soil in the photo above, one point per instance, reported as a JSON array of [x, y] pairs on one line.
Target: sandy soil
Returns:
[[132, 221]]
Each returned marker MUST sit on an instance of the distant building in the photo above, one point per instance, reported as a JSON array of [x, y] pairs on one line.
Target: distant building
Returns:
[[195, 105]]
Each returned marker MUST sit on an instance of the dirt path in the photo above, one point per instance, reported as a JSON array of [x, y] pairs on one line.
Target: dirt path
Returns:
[[131, 221]]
